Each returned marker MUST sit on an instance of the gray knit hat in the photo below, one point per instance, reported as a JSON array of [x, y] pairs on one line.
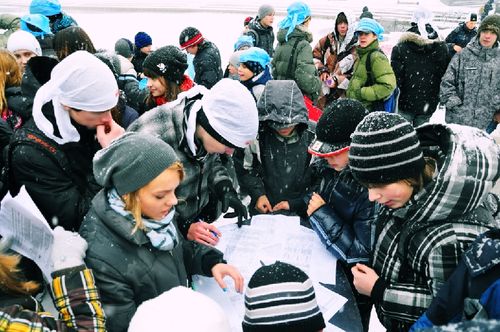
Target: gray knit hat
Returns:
[[385, 149], [124, 47], [265, 10], [132, 161]]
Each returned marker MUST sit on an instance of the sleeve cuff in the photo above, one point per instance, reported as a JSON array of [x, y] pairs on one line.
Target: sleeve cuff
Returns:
[[378, 290], [211, 259], [68, 271]]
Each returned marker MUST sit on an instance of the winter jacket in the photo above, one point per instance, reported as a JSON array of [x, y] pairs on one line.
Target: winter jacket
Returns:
[[137, 61], [128, 270], [202, 173], [257, 83], [262, 37], [15, 114], [277, 166], [47, 45], [345, 224], [460, 36], [382, 76], [76, 299], [59, 193], [302, 69], [419, 245], [470, 88], [463, 295], [207, 65], [419, 64], [8, 25]]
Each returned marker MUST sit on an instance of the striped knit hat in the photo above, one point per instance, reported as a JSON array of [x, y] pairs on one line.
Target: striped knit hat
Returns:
[[280, 297], [190, 37], [385, 149]]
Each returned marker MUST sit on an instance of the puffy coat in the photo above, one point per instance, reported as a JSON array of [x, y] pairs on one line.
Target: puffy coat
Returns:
[[137, 61], [419, 64], [460, 36], [419, 245], [382, 73], [128, 270], [470, 88], [303, 71], [345, 224], [201, 172], [207, 65], [9, 24], [262, 37]]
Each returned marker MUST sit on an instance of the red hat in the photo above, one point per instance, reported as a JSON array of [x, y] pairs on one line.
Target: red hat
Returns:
[[190, 37]]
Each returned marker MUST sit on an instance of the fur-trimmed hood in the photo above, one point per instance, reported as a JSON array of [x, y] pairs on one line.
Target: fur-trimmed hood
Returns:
[[419, 41]]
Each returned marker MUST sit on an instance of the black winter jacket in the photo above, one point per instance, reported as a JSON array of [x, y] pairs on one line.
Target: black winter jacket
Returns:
[[460, 36], [262, 37], [128, 269], [207, 65]]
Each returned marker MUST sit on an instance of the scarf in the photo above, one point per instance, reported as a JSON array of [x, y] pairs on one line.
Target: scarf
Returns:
[[161, 233]]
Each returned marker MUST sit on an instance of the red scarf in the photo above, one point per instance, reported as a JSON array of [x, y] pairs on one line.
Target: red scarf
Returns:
[[186, 84]]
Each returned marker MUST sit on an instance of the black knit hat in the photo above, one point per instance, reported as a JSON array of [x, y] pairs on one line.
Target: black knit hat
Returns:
[[169, 62], [336, 125], [365, 13], [254, 67], [190, 37], [280, 298], [385, 149], [492, 23]]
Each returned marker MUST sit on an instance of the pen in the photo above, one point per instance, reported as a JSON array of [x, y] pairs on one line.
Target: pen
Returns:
[[214, 234]]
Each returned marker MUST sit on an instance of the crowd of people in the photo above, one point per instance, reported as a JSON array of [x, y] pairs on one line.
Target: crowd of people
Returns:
[[131, 153]]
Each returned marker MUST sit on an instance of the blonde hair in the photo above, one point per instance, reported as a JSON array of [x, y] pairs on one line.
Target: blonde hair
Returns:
[[133, 205], [10, 75], [10, 280]]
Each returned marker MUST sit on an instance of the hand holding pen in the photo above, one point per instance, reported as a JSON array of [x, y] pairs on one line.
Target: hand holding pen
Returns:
[[204, 233]]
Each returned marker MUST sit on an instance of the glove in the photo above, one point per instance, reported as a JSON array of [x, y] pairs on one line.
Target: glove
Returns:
[[230, 198], [68, 249]]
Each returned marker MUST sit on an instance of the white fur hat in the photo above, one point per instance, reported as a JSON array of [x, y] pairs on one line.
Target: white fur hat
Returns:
[[180, 309], [23, 40]]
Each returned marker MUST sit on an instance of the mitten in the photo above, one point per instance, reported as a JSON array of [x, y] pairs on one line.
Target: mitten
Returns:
[[68, 249]]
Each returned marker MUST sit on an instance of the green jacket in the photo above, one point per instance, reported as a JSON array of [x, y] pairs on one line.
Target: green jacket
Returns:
[[9, 23], [382, 73], [304, 72]]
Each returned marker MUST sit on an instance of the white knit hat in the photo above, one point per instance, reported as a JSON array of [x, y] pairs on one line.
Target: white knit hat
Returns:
[[23, 40], [173, 311], [80, 81]]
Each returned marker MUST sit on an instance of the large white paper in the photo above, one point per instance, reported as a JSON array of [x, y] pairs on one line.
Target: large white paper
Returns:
[[268, 239], [30, 233]]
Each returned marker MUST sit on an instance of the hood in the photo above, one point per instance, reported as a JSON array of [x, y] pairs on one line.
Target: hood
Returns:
[[282, 102], [482, 53], [299, 32], [36, 74], [255, 25], [417, 42]]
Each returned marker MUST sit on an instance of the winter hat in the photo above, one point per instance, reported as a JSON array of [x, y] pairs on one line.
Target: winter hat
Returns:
[[422, 17], [124, 47], [36, 24], [247, 20], [233, 120], [335, 126], [255, 58], [492, 23], [370, 25], [265, 10], [472, 17], [111, 60], [280, 298], [45, 7], [190, 37], [132, 161], [243, 41], [142, 39], [23, 40], [234, 59], [297, 13], [385, 149], [169, 62], [173, 311], [366, 13], [80, 81], [341, 18]]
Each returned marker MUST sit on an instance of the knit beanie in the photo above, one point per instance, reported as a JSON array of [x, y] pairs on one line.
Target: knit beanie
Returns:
[[472, 17], [173, 311], [385, 149], [335, 126], [190, 37], [45, 7], [265, 10], [23, 40], [297, 13], [243, 41], [36, 24], [169, 62], [247, 20], [370, 25], [366, 13], [132, 161], [234, 59], [231, 111], [124, 47], [280, 298], [492, 23], [142, 39]]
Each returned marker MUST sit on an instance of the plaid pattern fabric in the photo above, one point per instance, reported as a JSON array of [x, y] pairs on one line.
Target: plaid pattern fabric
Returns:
[[420, 245], [77, 301]]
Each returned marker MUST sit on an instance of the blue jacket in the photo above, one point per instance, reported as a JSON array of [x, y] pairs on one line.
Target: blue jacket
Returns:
[[345, 224], [460, 36]]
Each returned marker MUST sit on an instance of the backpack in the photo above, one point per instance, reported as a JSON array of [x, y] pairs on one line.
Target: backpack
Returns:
[[390, 104]]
